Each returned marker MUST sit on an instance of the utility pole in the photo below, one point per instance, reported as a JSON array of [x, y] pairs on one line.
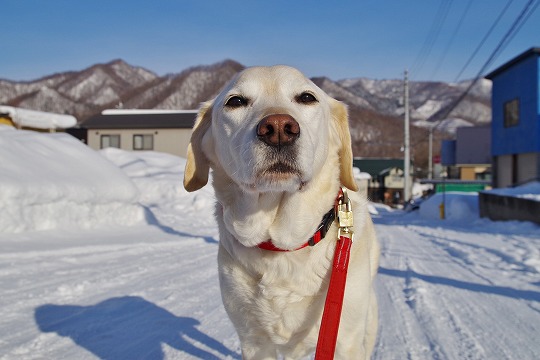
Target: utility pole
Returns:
[[430, 156], [406, 147]]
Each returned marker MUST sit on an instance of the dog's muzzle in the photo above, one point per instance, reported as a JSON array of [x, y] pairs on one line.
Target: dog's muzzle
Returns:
[[278, 168]]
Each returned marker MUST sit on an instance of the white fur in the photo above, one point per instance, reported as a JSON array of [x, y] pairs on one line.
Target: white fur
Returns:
[[275, 299]]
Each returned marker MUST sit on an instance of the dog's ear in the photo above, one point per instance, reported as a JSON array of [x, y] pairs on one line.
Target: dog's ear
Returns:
[[197, 164], [341, 119]]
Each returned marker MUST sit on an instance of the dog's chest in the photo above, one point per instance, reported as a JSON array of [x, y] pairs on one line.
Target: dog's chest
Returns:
[[288, 305]]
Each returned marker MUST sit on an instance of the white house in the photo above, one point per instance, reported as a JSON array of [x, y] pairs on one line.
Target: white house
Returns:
[[166, 131]]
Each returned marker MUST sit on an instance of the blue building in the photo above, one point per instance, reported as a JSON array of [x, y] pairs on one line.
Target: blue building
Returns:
[[515, 135], [469, 156]]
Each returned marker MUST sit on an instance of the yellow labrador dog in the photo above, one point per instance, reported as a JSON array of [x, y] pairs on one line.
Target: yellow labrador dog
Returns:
[[280, 149]]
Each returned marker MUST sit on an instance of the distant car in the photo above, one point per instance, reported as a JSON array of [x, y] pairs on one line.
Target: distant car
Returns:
[[414, 204]]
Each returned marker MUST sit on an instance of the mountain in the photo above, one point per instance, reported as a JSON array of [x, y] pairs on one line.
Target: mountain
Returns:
[[375, 106], [426, 98], [376, 110], [81, 93], [87, 92], [186, 90]]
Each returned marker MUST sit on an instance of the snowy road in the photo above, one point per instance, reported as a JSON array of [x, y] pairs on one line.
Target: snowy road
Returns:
[[447, 290], [458, 293], [112, 296], [151, 292]]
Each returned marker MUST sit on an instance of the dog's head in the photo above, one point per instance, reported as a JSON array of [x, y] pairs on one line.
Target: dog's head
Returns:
[[270, 129]]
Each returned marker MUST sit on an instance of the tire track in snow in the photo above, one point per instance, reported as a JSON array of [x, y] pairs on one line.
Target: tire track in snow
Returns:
[[488, 299], [512, 253], [401, 333], [447, 308]]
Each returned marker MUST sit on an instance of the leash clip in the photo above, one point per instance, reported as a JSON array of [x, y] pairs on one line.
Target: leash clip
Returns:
[[344, 215]]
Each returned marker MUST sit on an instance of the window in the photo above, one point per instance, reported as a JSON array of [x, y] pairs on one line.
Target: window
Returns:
[[143, 142], [511, 113], [110, 141]]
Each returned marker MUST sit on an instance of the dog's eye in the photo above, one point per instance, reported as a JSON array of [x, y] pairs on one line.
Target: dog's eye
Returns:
[[236, 101], [306, 98]]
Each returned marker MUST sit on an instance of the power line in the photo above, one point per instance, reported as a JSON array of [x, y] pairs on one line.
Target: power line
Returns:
[[524, 21], [524, 15], [518, 23], [501, 14], [432, 36], [452, 38], [516, 26]]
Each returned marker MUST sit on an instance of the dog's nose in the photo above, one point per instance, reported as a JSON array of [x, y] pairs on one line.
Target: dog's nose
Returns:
[[278, 130]]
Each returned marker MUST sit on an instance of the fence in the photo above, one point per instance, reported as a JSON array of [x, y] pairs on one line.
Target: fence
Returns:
[[499, 207]]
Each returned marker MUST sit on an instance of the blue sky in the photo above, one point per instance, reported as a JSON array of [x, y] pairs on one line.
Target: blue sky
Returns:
[[341, 39]]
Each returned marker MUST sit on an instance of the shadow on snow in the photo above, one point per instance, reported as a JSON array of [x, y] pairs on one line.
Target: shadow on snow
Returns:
[[152, 220], [129, 327], [488, 289]]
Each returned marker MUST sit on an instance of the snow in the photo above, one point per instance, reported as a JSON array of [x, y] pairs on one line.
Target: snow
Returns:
[[146, 287], [458, 206], [529, 191], [449, 125], [50, 181], [429, 108], [38, 119], [360, 175]]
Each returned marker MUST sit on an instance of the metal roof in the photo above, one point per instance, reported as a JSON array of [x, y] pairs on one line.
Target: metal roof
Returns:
[[514, 61], [178, 120]]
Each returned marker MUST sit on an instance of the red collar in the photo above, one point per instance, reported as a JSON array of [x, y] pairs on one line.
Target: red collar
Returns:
[[320, 233]]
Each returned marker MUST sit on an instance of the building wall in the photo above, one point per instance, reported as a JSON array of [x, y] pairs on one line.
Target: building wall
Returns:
[[473, 145], [504, 171], [468, 173], [448, 152], [521, 81], [517, 169], [171, 141], [527, 167]]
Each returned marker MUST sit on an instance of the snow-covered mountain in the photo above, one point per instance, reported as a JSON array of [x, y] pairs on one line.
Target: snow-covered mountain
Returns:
[[426, 98], [87, 92], [82, 92], [376, 106]]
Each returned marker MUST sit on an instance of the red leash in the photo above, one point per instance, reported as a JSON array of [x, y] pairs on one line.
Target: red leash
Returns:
[[326, 345], [328, 332]]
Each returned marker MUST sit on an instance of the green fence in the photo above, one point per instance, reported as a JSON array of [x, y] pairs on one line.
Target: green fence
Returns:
[[459, 187]]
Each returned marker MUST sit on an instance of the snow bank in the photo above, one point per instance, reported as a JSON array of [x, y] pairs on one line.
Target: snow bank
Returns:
[[38, 119], [418, 190], [159, 178], [359, 175], [50, 181], [458, 206], [529, 191]]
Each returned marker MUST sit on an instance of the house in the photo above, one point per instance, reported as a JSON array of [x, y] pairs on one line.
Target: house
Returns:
[[35, 120], [166, 131], [387, 181], [515, 132], [469, 155]]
